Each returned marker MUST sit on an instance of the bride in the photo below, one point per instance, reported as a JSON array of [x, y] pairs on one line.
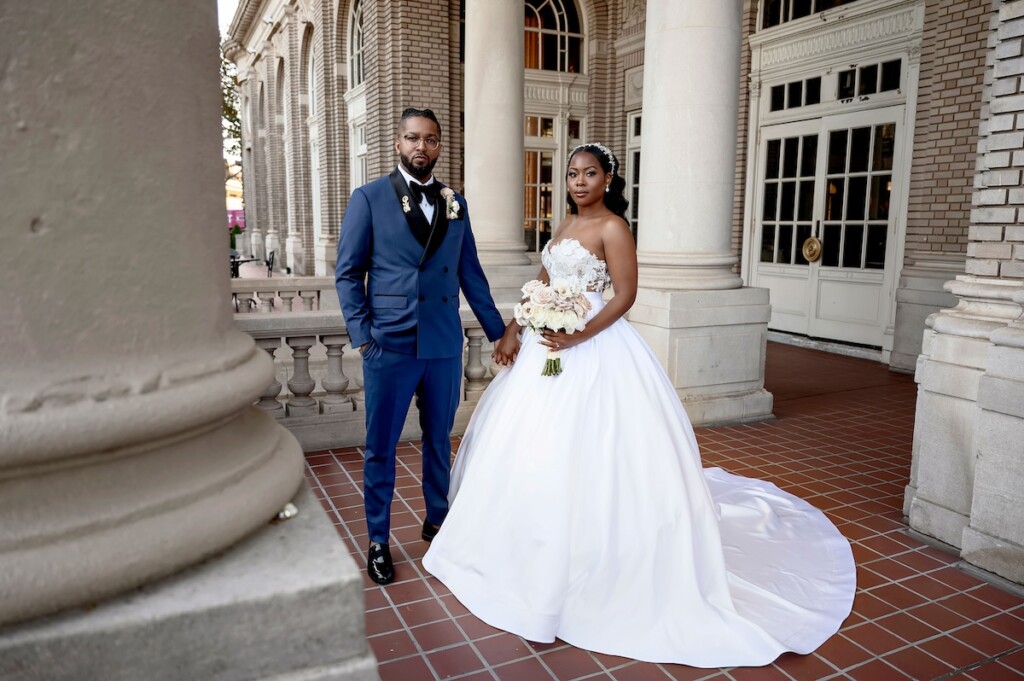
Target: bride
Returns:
[[578, 505]]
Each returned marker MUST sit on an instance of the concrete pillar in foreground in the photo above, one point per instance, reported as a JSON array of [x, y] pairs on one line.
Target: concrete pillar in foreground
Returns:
[[707, 329], [494, 129], [131, 448]]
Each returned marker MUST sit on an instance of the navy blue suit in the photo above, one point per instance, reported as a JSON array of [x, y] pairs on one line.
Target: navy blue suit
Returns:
[[398, 279]]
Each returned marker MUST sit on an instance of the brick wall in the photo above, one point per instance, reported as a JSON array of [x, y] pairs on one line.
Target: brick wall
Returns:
[[946, 130], [996, 247], [742, 130]]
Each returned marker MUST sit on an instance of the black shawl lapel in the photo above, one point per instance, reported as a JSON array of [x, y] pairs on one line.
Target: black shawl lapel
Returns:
[[429, 235]]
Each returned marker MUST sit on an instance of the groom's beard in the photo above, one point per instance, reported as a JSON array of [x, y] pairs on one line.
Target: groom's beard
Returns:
[[421, 171]]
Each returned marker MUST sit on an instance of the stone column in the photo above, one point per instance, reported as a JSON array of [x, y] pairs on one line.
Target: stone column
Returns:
[[131, 446], [295, 147], [494, 129], [707, 329], [273, 144]]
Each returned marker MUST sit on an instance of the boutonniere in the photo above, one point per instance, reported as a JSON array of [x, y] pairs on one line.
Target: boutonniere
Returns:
[[450, 203], [405, 204]]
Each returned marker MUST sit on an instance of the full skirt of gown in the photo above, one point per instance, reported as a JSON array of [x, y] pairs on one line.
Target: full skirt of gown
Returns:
[[580, 510]]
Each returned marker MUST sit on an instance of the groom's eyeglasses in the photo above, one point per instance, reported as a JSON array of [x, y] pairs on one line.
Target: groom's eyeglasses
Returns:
[[431, 143]]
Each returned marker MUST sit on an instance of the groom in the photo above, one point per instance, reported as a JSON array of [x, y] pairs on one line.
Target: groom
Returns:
[[405, 250]]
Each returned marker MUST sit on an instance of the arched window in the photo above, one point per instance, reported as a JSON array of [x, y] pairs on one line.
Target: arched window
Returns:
[[355, 45], [553, 38]]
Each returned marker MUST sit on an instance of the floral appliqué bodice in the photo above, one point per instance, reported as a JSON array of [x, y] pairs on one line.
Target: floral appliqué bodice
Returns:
[[568, 259]]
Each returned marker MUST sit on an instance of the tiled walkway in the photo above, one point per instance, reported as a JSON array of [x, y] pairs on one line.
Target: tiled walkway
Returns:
[[841, 440]]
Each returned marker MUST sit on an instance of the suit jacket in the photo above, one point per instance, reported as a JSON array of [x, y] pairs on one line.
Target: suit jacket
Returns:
[[398, 277]]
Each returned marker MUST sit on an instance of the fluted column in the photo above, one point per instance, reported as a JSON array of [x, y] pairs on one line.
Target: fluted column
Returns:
[[130, 447], [708, 331], [688, 151], [494, 129]]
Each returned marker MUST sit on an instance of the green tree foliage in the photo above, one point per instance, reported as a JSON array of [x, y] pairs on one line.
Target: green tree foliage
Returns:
[[231, 123]]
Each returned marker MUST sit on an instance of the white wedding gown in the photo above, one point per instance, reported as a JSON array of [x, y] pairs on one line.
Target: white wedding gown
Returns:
[[580, 510]]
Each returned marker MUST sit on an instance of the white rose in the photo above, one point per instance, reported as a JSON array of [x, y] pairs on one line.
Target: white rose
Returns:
[[543, 296]]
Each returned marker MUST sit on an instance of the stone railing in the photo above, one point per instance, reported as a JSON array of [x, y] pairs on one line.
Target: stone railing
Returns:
[[317, 389], [283, 294]]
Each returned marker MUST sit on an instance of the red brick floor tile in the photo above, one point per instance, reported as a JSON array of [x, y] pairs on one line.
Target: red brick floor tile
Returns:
[[956, 578], [869, 605], [529, 669], [382, 621], [877, 670], [422, 612], [475, 628], [611, 661], [392, 646], [907, 627], [571, 663], [917, 664], [1003, 600], [768, 673], [455, 661], [891, 569], [951, 651], [409, 591], [931, 589], [683, 673], [971, 608], [1007, 625], [842, 653], [984, 639], [875, 639], [405, 670], [993, 671], [375, 598], [455, 607], [899, 597], [804, 667], [438, 635], [640, 671], [939, 617], [502, 648]]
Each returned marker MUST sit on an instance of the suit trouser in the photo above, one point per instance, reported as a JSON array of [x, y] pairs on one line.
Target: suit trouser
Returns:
[[391, 380]]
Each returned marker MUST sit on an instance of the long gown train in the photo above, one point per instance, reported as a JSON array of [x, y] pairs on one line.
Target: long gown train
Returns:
[[580, 510]]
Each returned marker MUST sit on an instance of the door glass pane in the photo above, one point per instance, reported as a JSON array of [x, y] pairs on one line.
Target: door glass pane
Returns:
[[771, 197], [836, 189], [801, 8], [785, 253], [881, 189], [830, 242], [786, 206], [809, 159], [803, 232], [768, 243], [795, 95], [847, 83], [855, 198], [891, 75], [812, 93], [874, 257], [791, 157], [778, 98], [853, 239], [860, 149], [837, 151], [885, 142], [868, 80], [805, 209], [772, 13], [774, 158]]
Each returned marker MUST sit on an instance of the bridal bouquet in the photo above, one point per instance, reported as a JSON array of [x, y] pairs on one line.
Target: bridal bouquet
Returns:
[[559, 306]]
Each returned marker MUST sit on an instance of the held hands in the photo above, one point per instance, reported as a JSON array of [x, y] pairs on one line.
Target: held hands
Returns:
[[506, 349]]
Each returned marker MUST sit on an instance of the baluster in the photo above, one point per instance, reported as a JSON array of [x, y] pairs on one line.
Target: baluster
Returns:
[[266, 302], [287, 297], [301, 383], [268, 398], [335, 382], [475, 369], [245, 302], [307, 300]]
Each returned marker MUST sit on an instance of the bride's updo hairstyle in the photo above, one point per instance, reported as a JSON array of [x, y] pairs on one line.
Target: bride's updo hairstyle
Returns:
[[614, 199]]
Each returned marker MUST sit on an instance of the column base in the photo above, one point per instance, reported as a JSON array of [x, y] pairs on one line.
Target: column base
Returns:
[[921, 293], [502, 253], [296, 255], [712, 345], [936, 521], [287, 601], [992, 554], [325, 254]]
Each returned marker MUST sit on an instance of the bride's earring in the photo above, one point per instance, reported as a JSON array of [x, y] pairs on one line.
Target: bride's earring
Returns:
[[606, 189]]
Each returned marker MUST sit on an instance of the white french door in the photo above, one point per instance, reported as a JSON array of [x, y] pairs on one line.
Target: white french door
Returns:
[[834, 179]]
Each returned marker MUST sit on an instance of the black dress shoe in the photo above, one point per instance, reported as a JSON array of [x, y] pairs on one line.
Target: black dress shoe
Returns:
[[379, 565], [429, 531]]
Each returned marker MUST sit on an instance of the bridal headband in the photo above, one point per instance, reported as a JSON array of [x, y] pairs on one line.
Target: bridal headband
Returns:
[[600, 147]]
